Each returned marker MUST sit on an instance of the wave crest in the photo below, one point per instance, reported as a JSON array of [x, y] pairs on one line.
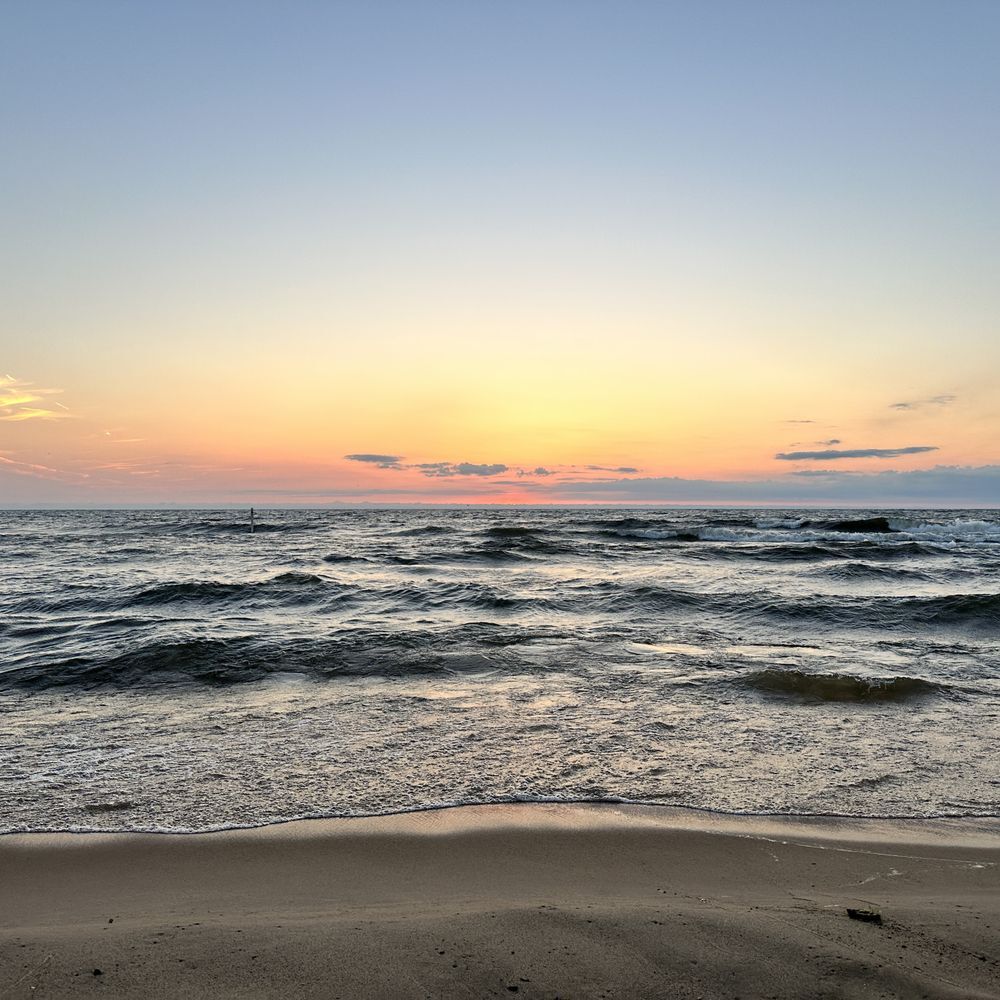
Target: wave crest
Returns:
[[214, 590], [838, 687], [472, 648]]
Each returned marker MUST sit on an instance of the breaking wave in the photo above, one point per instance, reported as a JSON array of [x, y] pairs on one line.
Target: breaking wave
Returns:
[[838, 687]]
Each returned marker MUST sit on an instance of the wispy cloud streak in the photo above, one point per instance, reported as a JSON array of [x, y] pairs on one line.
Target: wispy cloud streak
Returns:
[[42, 471], [23, 400], [946, 399]]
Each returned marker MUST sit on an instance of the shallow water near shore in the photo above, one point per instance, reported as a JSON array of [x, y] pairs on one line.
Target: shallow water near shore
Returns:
[[167, 670]]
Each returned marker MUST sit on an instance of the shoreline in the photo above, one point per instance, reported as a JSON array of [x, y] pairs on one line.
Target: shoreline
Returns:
[[541, 900], [954, 831]]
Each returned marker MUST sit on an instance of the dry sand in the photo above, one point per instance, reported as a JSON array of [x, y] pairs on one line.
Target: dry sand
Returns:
[[537, 901]]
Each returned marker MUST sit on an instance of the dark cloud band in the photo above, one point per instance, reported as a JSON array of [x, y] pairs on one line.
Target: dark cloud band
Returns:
[[832, 454], [460, 469], [385, 461]]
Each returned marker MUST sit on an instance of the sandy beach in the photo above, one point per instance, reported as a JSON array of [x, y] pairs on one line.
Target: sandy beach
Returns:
[[534, 900]]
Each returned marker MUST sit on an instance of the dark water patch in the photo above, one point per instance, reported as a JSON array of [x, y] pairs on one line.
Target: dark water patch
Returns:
[[477, 596], [893, 550], [670, 524], [369, 653], [497, 634], [721, 520], [875, 571], [973, 611], [425, 529], [519, 544], [647, 596], [509, 530], [780, 552], [655, 529], [33, 630], [296, 579], [488, 554], [341, 557], [859, 526], [628, 523], [661, 534], [295, 585], [234, 527], [497, 553], [837, 687], [68, 599], [208, 661], [968, 609]]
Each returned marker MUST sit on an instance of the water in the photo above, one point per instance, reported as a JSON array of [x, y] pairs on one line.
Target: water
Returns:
[[167, 670]]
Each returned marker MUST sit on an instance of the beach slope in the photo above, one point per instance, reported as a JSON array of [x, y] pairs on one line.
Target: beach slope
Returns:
[[534, 901]]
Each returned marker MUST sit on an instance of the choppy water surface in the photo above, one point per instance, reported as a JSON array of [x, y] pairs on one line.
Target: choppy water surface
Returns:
[[169, 670]]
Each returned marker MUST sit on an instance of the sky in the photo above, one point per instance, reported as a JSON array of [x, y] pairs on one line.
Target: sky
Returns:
[[520, 252]]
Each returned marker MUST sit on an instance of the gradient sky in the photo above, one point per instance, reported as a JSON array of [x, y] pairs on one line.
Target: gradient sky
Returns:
[[547, 252]]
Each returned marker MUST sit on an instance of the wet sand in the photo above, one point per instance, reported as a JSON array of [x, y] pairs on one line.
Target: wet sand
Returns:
[[532, 900]]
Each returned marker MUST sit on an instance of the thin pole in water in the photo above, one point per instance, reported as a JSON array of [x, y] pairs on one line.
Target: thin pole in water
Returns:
[[252, 527]]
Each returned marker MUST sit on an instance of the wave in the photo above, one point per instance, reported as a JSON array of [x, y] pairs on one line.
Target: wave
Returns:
[[298, 587], [456, 594], [653, 534], [488, 553], [499, 543], [919, 823], [893, 550], [624, 522], [875, 571], [787, 552], [511, 531], [838, 687], [217, 662], [978, 611], [666, 525], [858, 526], [958, 530], [212, 527], [292, 583], [425, 529], [881, 529], [526, 542], [773, 543]]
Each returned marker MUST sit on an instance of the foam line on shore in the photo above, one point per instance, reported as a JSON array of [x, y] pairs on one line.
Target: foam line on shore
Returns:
[[959, 832]]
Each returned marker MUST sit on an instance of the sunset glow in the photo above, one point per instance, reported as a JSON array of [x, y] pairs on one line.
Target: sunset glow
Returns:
[[612, 277]]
